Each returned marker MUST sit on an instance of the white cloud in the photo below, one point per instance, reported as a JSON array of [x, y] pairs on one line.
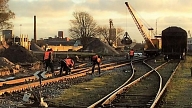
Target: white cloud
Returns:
[[54, 15], [79, 1]]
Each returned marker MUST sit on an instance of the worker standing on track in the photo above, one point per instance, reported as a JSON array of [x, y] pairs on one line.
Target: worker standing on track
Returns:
[[48, 59], [96, 60], [131, 54], [66, 65]]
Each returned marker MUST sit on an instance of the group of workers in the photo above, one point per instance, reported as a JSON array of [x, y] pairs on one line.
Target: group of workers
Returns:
[[68, 63], [65, 64]]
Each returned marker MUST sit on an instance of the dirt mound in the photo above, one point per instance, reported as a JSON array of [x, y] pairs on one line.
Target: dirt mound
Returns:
[[139, 46], [35, 47], [96, 45], [5, 62], [18, 54]]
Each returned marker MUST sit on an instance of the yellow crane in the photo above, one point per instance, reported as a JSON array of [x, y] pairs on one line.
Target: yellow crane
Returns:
[[152, 45]]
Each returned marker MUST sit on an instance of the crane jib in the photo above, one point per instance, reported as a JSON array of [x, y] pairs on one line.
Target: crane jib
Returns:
[[140, 27]]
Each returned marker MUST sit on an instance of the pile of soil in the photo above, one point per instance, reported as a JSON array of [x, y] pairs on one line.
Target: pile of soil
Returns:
[[139, 46], [5, 62], [97, 46], [18, 54]]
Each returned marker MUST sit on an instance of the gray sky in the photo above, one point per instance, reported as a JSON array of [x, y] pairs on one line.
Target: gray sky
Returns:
[[55, 15]]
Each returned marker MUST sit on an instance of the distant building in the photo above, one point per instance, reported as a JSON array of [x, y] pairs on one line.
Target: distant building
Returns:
[[57, 39], [112, 35], [7, 34], [60, 34], [189, 44], [59, 44], [22, 40]]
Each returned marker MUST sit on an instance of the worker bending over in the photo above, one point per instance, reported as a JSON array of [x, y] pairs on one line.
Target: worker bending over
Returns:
[[66, 65], [96, 60]]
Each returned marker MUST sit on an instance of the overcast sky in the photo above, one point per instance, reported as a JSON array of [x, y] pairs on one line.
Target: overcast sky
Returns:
[[55, 15]]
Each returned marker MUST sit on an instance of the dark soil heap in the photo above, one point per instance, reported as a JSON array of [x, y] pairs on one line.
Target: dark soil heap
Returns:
[[18, 54], [5, 62], [96, 45]]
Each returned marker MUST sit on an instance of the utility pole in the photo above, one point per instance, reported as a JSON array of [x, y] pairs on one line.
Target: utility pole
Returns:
[[20, 29], [156, 27]]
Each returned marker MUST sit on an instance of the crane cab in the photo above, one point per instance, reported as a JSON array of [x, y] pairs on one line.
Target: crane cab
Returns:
[[153, 51]]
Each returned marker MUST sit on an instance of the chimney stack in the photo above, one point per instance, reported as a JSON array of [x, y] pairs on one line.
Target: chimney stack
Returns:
[[35, 37]]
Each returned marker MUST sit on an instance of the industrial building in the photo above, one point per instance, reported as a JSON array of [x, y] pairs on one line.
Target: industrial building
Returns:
[[189, 44], [7, 35]]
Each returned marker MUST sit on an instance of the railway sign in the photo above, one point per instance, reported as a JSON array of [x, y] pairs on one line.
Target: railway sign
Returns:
[[40, 74]]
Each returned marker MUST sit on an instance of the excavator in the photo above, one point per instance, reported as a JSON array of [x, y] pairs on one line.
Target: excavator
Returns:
[[152, 46]]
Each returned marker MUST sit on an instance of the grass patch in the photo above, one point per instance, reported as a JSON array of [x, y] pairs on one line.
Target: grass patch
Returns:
[[87, 93], [179, 90]]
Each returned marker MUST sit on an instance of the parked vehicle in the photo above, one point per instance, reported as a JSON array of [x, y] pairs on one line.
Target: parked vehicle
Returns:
[[174, 43]]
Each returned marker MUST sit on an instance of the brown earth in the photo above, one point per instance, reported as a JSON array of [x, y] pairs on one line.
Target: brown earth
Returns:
[[18, 54], [5, 62], [17, 59]]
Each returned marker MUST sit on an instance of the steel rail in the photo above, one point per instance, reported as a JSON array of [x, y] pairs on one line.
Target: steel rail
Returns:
[[163, 89], [99, 101], [32, 78], [96, 104], [113, 96], [83, 72]]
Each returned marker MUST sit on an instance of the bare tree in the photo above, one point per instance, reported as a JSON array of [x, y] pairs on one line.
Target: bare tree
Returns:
[[5, 15], [83, 27], [120, 32], [104, 31]]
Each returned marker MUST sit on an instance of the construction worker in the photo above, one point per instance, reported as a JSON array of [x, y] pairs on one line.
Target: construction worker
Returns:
[[96, 60], [66, 65], [131, 54], [48, 59]]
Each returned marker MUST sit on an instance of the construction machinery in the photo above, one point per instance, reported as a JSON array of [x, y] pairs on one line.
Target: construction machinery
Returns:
[[152, 46], [126, 39]]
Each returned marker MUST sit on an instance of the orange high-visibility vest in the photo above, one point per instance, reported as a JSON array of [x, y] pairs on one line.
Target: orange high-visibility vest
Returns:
[[46, 55], [69, 62], [131, 53], [98, 60]]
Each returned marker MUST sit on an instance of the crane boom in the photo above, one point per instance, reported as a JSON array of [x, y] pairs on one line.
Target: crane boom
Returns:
[[140, 27]]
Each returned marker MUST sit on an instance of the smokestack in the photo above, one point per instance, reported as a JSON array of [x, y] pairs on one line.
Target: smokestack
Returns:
[[35, 37]]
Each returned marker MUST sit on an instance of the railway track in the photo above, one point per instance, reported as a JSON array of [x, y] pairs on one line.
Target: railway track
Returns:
[[143, 91], [23, 83], [27, 79], [17, 92]]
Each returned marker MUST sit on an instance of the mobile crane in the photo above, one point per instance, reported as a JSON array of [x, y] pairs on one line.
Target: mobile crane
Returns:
[[152, 46]]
